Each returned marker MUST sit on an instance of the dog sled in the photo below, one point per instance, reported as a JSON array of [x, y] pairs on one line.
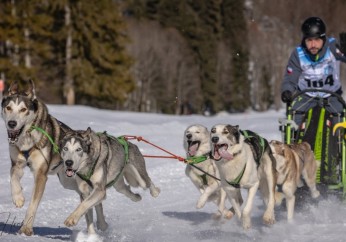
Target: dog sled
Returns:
[[317, 129]]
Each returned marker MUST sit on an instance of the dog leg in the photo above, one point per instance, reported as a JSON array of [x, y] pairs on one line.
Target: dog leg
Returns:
[[134, 177], [233, 197], [222, 208], [101, 222], [290, 203], [121, 187], [40, 179], [206, 194], [135, 174], [95, 197], [246, 215], [311, 183], [90, 221], [268, 183], [289, 189], [16, 188], [196, 179], [154, 191]]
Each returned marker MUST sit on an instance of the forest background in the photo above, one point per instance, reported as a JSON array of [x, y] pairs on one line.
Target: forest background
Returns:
[[164, 56]]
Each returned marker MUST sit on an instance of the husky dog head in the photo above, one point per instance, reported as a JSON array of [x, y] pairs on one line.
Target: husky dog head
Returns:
[[226, 140], [75, 147], [278, 148], [19, 110], [197, 140]]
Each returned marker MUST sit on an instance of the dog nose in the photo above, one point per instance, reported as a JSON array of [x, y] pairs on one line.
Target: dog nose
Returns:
[[189, 136], [69, 163], [12, 124], [215, 139]]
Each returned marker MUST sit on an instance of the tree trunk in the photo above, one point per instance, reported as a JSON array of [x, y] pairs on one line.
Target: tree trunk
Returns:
[[69, 92]]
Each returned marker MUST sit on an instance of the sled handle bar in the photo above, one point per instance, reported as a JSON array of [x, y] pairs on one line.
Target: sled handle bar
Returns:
[[299, 93]]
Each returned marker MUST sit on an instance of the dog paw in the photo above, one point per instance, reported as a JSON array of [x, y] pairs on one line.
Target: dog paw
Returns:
[[136, 197], [268, 219], [18, 201], [279, 197], [216, 216], [246, 223], [227, 214], [26, 230], [155, 191], [72, 220], [103, 226], [315, 194]]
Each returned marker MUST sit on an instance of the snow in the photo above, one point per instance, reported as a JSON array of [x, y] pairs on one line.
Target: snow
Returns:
[[172, 216]]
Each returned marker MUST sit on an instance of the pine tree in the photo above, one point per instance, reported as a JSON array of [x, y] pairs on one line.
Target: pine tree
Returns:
[[235, 34], [23, 27], [93, 43]]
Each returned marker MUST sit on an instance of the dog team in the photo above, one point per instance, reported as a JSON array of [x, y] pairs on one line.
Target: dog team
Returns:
[[220, 163]]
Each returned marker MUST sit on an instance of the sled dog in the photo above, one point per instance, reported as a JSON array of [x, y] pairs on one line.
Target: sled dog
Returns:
[[98, 161], [197, 145], [293, 162], [32, 135], [245, 161]]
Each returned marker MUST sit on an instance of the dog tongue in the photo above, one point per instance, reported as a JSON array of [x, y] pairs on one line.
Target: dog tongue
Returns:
[[193, 149], [69, 172], [224, 154]]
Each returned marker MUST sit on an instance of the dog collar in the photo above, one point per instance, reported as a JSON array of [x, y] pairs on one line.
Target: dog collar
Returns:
[[196, 159]]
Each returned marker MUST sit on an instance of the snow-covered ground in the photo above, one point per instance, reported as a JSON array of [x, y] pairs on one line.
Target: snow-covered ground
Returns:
[[172, 216]]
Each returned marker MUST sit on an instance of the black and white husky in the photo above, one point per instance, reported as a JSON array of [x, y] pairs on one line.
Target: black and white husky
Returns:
[[197, 145], [33, 135], [245, 161], [98, 161]]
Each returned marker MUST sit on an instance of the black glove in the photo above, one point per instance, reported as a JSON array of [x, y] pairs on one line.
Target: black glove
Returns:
[[343, 42], [286, 96]]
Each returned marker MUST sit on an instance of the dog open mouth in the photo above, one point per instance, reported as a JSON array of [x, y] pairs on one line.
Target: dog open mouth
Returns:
[[193, 147], [70, 172], [13, 135], [220, 151]]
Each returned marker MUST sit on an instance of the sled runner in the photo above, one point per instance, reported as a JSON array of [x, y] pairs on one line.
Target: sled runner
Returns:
[[317, 130]]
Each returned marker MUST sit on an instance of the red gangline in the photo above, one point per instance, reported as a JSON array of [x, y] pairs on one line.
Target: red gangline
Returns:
[[139, 138]]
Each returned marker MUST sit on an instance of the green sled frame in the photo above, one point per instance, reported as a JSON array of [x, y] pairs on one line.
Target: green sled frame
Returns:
[[331, 174]]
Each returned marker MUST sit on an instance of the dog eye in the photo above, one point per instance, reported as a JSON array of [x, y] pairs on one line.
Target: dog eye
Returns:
[[213, 131], [23, 110], [79, 149], [8, 108], [65, 149]]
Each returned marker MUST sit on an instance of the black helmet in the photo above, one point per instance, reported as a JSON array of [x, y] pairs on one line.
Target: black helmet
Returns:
[[314, 27]]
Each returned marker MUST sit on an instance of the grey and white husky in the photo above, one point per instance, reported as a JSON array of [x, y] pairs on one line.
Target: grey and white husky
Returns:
[[98, 161], [32, 135]]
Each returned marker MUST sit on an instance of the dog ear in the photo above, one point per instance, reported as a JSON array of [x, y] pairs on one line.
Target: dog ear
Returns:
[[13, 89], [236, 133], [88, 131], [283, 151], [87, 136], [30, 91]]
